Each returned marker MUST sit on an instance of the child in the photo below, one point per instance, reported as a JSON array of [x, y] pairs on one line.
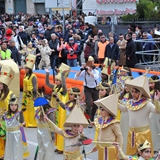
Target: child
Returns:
[[144, 152], [124, 74], [59, 89], [154, 83], [73, 93], [109, 128], [124, 97], [76, 120], [139, 108], [107, 70], [13, 119], [45, 52], [44, 136], [30, 87]]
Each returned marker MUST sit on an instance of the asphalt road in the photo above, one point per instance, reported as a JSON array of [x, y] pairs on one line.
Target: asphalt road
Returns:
[[31, 135]]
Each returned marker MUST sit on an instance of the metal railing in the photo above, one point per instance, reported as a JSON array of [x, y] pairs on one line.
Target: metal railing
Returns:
[[154, 64]]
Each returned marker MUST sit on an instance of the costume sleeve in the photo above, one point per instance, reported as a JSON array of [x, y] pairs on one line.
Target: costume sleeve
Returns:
[[118, 133], [154, 108], [47, 81], [122, 108], [21, 117], [54, 128], [52, 118], [63, 83]]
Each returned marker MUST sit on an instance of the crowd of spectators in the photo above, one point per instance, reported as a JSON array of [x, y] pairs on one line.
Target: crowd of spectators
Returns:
[[21, 34]]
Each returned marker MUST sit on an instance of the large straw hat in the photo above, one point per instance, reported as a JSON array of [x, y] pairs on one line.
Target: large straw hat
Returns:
[[108, 66], [140, 83], [30, 61], [109, 103], [76, 117], [6, 74], [61, 69]]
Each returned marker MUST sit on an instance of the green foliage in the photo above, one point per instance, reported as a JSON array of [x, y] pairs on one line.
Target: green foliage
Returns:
[[145, 10]]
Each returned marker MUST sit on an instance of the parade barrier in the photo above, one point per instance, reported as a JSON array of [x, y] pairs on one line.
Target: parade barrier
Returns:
[[70, 82]]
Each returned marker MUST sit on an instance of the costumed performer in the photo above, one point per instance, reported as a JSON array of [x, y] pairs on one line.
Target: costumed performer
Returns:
[[73, 93], [109, 128], [139, 108], [154, 84], [76, 120], [13, 119], [30, 87], [124, 125], [59, 89], [107, 70], [6, 76], [143, 153], [44, 136], [104, 91]]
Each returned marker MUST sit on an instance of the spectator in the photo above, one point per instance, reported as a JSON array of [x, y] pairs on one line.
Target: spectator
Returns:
[[88, 31], [61, 48], [41, 35], [69, 35], [5, 53], [72, 51], [112, 50], [138, 47], [53, 43], [23, 35], [101, 48], [146, 46], [15, 55], [89, 48], [90, 75], [130, 52], [48, 32], [78, 40], [122, 47]]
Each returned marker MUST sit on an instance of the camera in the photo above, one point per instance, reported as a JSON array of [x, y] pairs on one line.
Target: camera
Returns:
[[91, 40], [71, 53], [82, 69]]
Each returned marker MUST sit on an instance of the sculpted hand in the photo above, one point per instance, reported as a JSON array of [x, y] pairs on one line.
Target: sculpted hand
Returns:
[[157, 95]]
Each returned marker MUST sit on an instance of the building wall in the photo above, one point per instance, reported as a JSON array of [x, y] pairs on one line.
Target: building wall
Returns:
[[9, 7], [30, 7]]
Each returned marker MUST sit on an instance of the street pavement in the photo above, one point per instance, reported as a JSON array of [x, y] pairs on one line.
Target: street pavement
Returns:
[[31, 135]]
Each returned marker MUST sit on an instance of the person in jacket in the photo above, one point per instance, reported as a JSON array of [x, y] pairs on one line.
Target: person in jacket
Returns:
[[53, 43], [112, 50], [130, 52], [89, 48], [5, 53], [101, 48], [72, 51], [122, 47], [48, 32], [88, 31], [15, 54], [23, 35]]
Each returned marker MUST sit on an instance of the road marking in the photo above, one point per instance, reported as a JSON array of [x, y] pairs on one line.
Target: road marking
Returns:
[[32, 143]]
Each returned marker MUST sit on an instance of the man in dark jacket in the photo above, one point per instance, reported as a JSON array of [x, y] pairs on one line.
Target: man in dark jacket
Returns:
[[112, 50], [48, 32], [54, 56], [130, 52], [23, 35], [15, 55]]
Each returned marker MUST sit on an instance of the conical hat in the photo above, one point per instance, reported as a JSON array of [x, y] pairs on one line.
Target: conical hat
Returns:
[[6, 75], [30, 61], [76, 117], [108, 62], [140, 83], [110, 103], [62, 68]]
